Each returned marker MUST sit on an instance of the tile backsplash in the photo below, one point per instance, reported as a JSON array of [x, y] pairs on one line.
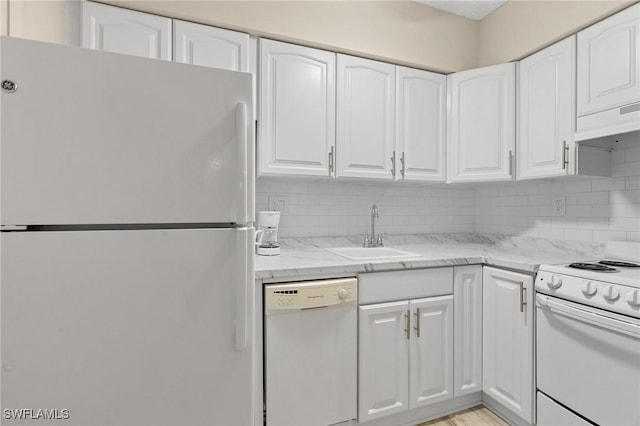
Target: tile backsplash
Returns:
[[597, 209], [342, 208]]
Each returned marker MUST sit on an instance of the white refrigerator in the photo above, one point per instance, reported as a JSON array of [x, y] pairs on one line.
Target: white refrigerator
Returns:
[[126, 247]]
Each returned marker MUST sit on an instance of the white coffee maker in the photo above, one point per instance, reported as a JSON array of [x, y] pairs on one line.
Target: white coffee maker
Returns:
[[267, 234]]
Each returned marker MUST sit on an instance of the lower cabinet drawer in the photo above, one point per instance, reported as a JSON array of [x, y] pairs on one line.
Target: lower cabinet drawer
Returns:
[[378, 287]]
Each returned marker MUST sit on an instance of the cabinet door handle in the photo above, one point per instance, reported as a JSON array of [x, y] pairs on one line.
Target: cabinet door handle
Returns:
[[402, 162], [417, 327], [510, 163], [523, 297], [408, 329], [393, 164], [565, 155], [331, 160]]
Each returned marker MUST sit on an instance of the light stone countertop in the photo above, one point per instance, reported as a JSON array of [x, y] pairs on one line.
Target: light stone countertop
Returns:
[[308, 258]]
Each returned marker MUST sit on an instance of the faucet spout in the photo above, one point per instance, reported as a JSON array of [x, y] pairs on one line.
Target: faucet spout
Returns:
[[373, 240], [374, 215]]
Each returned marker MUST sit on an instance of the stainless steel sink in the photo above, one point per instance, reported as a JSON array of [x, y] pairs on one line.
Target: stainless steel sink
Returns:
[[371, 253]]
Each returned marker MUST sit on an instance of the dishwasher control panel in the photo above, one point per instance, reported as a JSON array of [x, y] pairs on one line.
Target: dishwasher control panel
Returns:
[[310, 294]]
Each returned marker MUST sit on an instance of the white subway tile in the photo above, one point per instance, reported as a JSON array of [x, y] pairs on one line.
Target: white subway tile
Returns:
[[601, 197], [631, 224], [631, 196], [578, 235], [626, 169], [632, 154], [617, 156], [607, 184], [580, 211], [577, 186], [632, 182]]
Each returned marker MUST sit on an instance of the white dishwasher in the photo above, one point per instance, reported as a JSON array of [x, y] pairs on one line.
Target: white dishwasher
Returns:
[[311, 352]]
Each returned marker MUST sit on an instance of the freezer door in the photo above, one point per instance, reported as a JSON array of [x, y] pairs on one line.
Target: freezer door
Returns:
[[91, 137], [128, 327]]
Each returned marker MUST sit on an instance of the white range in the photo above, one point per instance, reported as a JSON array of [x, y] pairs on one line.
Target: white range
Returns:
[[588, 339]]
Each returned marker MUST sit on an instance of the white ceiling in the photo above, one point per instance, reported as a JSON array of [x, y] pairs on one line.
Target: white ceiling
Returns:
[[476, 9]]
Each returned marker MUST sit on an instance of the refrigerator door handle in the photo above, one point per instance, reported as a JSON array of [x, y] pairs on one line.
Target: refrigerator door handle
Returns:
[[244, 255], [245, 162]]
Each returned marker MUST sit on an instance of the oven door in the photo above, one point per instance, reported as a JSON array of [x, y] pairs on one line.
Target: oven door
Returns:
[[589, 360]]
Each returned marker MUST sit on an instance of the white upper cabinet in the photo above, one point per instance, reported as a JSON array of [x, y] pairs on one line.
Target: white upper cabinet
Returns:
[[297, 110], [609, 76], [481, 137], [118, 30], [365, 119], [546, 106], [420, 124], [209, 46]]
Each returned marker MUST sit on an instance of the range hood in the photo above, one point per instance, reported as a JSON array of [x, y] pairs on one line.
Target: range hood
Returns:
[[613, 121]]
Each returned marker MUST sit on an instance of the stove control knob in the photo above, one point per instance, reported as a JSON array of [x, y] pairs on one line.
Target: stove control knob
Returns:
[[633, 298], [589, 288], [611, 294], [555, 282]]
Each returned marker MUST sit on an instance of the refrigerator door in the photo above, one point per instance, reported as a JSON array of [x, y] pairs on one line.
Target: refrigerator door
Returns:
[[149, 327], [90, 137]]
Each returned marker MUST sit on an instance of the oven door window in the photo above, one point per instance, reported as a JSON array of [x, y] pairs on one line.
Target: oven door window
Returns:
[[589, 360]]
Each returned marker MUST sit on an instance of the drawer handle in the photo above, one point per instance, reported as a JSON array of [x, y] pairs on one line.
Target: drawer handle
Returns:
[[417, 327]]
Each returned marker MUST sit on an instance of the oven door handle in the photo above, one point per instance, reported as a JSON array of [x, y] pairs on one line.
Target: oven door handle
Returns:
[[589, 316]]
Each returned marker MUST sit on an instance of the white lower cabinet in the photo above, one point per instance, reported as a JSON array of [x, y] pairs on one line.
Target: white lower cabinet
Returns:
[[406, 355], [507, 331], [405, 349], [383, 367], [467, 333], [431, 351]]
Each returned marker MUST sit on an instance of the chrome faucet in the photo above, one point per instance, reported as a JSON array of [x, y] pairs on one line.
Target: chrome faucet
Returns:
[[373, 240]]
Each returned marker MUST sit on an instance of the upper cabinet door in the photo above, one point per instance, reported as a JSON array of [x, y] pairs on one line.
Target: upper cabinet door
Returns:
[[366, 100], [546, 84], [118, 30], [211, 47], [297, 110], [420, 124], [608, 63], [609, 76], [481, 136]]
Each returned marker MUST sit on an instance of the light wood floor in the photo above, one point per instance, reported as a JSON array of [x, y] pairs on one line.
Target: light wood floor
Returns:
[[476, 416]]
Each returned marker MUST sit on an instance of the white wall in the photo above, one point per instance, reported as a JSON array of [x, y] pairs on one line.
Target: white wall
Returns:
[[339, 208], [521, 27], [597, 209]]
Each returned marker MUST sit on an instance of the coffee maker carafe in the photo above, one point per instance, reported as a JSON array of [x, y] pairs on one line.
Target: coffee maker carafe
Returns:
[[267, 235]]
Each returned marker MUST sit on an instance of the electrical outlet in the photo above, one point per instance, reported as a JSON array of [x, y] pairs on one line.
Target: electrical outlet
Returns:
[[559, 205], [278, 203]]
